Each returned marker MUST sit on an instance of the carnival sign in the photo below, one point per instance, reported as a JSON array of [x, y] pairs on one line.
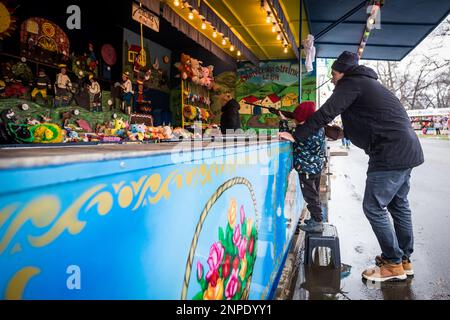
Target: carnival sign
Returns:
[[145, 17]]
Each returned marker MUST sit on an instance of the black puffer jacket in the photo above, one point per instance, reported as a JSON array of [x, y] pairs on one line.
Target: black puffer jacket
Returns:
[[373, 119], [230, 118]]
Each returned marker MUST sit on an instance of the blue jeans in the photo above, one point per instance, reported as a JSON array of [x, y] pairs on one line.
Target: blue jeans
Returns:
[[387, 192]]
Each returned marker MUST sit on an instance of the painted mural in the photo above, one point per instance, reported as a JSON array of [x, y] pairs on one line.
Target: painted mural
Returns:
[[96, 232], [271, 84]]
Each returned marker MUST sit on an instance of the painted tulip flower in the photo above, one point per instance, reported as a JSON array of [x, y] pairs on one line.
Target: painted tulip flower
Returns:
[[249, 227], [251, 245], [242, 214], [242, 247], [237, 236], [214, 293], [232, 214], [216, 256], [232, 285], [226, 267], [243, 269], [236, 263], [199, 271]]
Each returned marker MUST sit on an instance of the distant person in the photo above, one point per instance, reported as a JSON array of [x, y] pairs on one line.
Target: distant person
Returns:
[[346, 143], [438, 127], [375, 121], [230, 119]]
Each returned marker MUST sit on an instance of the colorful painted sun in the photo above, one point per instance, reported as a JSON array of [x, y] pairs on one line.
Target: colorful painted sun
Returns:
[[7, 21]]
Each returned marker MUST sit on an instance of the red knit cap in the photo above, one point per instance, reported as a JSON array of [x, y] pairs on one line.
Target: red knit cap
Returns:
[[304, 111]]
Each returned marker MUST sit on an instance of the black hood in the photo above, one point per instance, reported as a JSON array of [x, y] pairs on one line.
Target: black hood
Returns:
[[362, 71]]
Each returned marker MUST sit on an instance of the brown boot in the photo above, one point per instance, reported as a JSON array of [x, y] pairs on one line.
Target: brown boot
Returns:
[[386, 271], [407, 265]]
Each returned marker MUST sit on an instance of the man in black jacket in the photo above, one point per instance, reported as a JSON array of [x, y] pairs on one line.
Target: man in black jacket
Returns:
[[230, 120], [375, 121]]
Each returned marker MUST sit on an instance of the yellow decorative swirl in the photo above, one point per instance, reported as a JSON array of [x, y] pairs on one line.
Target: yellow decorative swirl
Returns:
[[125, 197], [104, 202], [137, 185], [69, 220], [41, 212], [153, 183], [44, 211], [17, 284], [163, 190], [5, 213]]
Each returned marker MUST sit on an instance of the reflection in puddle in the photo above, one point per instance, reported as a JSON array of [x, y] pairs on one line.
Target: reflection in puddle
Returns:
[[324, 283], [393, 290]]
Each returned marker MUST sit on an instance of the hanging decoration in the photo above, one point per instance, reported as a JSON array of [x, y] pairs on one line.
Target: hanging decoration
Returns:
[[7, 21], [44, 41], [109, 54], [371, 20], [310, 52]]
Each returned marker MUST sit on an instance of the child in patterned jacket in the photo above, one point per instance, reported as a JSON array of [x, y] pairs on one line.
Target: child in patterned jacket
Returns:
[[309, 156]]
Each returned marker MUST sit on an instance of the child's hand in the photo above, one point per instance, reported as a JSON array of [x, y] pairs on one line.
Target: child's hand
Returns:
[[286, 136]]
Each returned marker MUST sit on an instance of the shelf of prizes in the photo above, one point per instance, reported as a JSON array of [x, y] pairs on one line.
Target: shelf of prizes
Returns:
[[195, 105]]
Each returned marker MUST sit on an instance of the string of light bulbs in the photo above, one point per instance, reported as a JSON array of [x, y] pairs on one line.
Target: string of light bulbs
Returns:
[[215, 33], [277, 27]]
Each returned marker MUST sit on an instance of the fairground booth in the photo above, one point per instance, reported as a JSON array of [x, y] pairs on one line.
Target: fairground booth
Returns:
[[116, 180]]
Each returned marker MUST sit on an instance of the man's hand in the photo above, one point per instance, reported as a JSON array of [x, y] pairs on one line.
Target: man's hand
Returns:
[[282, 115], [286, 136]]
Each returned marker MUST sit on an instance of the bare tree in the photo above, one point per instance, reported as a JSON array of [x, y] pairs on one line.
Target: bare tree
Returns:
[[422, 79]]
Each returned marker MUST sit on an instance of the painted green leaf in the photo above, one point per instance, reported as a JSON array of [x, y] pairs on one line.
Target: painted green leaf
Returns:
[[198, 296], [221, 235], [203, 284], [229, 232]]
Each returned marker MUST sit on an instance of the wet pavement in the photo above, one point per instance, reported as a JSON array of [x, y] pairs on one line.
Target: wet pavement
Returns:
[[430, 204]]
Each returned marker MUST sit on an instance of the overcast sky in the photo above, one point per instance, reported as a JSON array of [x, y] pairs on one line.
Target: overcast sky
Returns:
[[434, 45]]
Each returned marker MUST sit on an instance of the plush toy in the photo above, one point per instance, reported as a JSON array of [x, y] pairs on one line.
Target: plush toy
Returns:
[[190, 112], [119, 128], [204, 114], [207, 77], [168, 134], [184, 66], [33, 121], [46, 133], [196, 71]]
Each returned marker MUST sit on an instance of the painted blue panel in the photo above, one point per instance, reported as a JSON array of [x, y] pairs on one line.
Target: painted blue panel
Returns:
[[217, 227]]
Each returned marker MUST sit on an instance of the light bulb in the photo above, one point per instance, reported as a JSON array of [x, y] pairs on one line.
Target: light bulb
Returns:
[[191, 16], [176, 3], [203, 25], [238, 53], [274, 28], [268, 19], [214, 34], [224, 42], [231, 48], [278, 36], [285, 50]]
